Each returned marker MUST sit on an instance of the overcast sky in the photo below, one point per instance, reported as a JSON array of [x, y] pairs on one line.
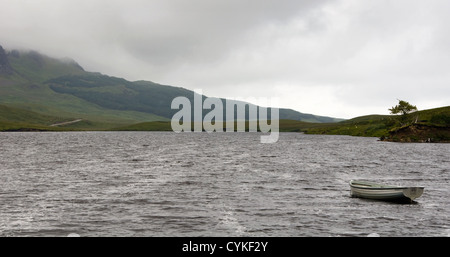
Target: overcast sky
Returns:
[[334, 58]]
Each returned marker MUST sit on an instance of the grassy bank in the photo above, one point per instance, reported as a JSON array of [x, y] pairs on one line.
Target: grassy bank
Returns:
[[431, 125], [423, 126], [17, 119]]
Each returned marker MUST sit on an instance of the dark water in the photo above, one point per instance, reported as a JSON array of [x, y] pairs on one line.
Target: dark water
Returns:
[[221, 184]]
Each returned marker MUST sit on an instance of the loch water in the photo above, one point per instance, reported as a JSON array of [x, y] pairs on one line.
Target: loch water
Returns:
[[215, 184]]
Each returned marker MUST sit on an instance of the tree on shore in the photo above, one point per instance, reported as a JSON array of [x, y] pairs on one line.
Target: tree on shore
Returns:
[[404, 108]]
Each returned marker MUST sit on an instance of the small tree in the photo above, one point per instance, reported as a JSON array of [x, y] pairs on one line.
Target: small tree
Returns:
[[404, 108]]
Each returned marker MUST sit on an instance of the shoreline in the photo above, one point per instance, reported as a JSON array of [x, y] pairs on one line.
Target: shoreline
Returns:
[[381, 139]]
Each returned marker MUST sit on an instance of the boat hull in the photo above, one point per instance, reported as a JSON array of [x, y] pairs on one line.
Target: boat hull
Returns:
[[374, 191]]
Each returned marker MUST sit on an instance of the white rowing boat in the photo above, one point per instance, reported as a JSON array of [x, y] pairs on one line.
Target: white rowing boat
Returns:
[[370, 190]]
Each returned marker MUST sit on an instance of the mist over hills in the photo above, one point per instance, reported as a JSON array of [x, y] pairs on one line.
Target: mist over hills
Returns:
[[62, 88]]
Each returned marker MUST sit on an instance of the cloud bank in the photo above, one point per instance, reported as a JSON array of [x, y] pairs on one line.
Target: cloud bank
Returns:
[[336, 58]]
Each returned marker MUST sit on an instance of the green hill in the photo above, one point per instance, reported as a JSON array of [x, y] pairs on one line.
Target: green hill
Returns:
[[426, 125], [38, 92], [14, 119], [62, 88], [10, 114], [26, 88], [285, 126]]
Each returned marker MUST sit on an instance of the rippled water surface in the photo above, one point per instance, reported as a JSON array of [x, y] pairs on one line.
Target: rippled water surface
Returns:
[[220, 184]]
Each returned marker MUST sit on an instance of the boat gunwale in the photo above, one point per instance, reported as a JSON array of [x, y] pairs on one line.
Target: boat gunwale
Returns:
[[372, 186]]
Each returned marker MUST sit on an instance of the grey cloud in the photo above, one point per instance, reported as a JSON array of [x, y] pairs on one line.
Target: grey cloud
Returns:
[[347, 50], [202, 30]]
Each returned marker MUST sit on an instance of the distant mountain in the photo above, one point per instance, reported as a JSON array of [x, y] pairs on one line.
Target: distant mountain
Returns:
[[61, 88], [5, 67]]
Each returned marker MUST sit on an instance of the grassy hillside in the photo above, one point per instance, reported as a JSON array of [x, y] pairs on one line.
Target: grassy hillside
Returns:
[[62, 88], [16, 119], [13, 119], [26, 87], [142, 96], [284, 126], [371, 126], [37, 91], [10, 114], [118, 94], [426, 125], [14, 126]]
